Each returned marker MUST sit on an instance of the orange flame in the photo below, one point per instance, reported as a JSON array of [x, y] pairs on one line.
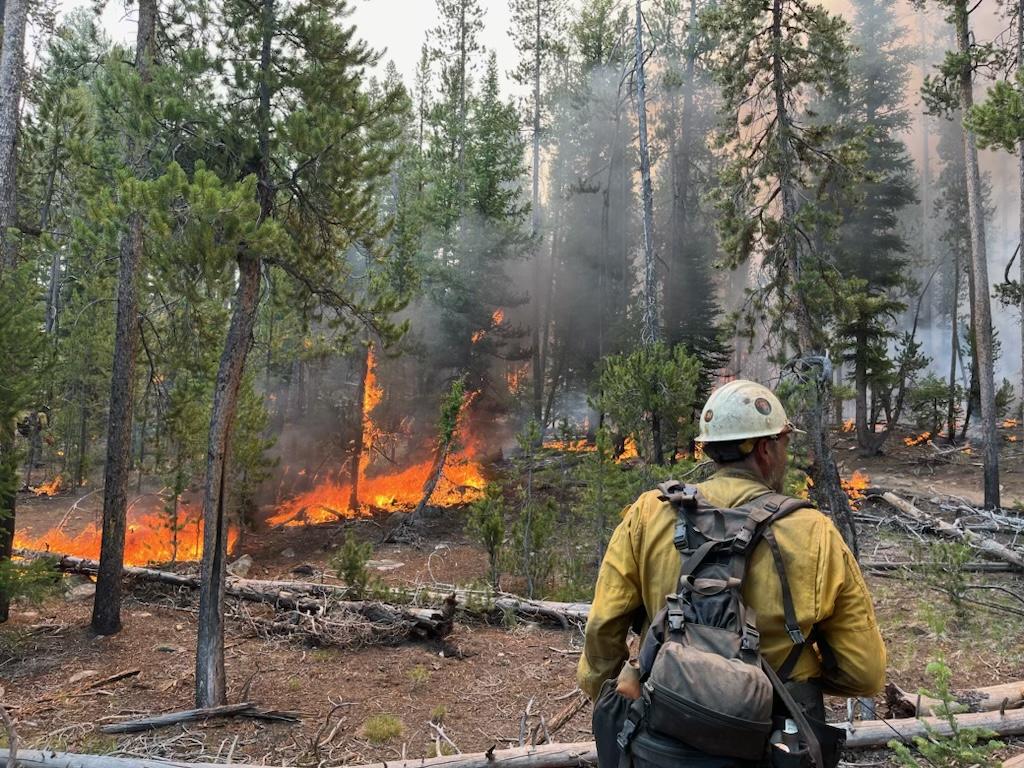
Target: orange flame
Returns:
[[848, 425], [629, 450], [924, 437], [515, 378], [372, 395], [497, 318], [570, 446], [1010, 423], [151, 537], [856, 485], [50, 488], [462, 480]]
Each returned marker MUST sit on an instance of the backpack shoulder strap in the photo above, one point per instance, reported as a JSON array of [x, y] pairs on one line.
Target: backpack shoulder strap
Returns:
[[777, 506]]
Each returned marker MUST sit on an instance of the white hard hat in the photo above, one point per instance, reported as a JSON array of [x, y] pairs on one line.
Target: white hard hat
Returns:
[[741, 410]]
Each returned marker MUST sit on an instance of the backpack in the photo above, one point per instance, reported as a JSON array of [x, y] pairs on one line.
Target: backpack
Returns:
[[704, 682]]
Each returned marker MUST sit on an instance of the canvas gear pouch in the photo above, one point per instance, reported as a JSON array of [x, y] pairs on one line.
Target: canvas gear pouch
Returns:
[[701, 692]]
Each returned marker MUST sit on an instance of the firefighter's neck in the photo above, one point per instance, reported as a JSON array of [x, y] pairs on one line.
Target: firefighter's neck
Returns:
[[762, 464]]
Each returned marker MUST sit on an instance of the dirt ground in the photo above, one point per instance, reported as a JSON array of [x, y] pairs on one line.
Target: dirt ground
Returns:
[[476, 685]]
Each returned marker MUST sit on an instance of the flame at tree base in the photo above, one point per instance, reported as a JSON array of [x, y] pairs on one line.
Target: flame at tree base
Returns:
[[462, 482]]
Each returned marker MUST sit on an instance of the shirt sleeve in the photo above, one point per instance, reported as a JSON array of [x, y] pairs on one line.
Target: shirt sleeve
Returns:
[[617, 596], [847, 620]]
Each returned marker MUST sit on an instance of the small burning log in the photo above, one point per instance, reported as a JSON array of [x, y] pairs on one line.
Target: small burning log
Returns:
[[49, 488], [924, 437], [849, 425], [856, 485]]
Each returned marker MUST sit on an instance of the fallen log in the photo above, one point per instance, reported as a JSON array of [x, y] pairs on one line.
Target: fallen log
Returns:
[[476, 601], [919, 565], [866, 734], [301, 596], [861, 735], [983, 544], [424, 621], [988, 699], [247, 709]]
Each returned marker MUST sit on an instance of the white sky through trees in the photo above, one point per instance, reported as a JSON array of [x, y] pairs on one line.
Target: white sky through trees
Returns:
[[399, 26]]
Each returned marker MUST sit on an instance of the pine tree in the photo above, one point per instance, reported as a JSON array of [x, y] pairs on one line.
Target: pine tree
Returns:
[[12, 398], [106, 612], [535, 28], [870, 246], [316, 171], [954, 89], [766, 56], [688, 113], [999, 121]]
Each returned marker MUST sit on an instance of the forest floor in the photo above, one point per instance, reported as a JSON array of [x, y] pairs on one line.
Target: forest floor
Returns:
[[378, 702]]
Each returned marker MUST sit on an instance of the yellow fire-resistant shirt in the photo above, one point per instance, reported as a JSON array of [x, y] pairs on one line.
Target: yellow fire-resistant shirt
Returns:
[[641, 567]]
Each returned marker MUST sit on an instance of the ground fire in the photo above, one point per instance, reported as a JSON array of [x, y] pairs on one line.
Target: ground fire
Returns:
[[152, 536], [924, 437], [461, 482], [856, 485]]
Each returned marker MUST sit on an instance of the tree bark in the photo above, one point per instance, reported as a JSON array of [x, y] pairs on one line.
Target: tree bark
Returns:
[[827, 488], [982, 313], [356, 459], [11, 71], [106, 611], [14, 19], [1020, 179], [649, 327], [954, 354], [538, 368], [211, 682], [989, 699]]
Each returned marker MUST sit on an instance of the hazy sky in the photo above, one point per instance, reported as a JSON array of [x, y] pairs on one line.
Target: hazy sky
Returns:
[[396, 26]]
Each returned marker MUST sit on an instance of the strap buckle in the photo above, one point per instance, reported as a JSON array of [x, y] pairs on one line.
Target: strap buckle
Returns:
[[742, 539], [751, 639], [679, 540], [625, 736], [796, 635]]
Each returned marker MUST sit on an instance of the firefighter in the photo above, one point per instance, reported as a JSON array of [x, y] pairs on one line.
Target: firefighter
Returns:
[[745, 431]]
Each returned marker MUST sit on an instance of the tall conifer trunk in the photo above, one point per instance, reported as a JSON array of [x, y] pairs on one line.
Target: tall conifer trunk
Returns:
[[539, 363], [827, 487], [1020, 177], [14, 18], [106, 610], [211, 680], [981, 315], [649, 327]]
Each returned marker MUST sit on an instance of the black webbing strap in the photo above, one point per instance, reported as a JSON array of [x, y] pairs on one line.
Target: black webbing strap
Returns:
[[813, 745], [634, 716], [693, 562], [796, 635]]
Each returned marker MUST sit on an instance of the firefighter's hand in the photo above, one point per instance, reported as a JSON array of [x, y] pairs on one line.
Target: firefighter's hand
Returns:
[[628, 682]]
